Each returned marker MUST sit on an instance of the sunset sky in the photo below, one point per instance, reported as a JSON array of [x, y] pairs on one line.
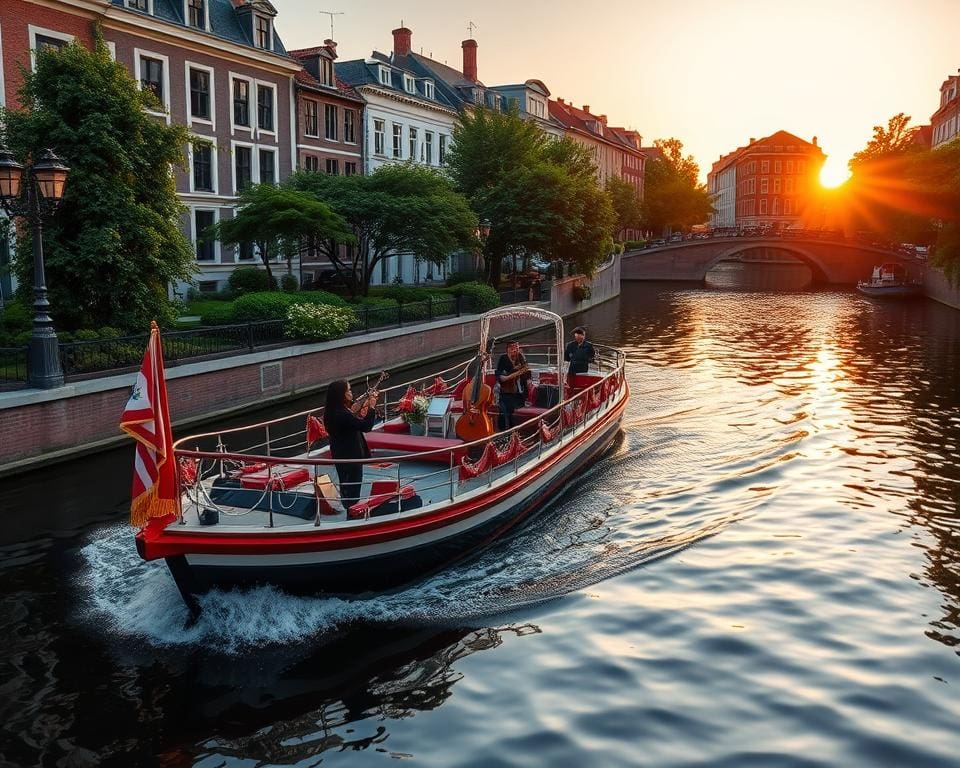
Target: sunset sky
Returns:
[[713, 74]]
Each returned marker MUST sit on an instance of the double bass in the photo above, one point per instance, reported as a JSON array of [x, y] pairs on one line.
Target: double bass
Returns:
[[475, 423]]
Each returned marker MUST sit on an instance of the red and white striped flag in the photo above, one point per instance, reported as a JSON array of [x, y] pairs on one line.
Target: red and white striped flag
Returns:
[[147, 420]]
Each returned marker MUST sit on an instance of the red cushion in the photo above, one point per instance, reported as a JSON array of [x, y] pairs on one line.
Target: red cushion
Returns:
[[395, 425], [388, 441], [284, 478], [548, 378], [359, 509], [528, 412]]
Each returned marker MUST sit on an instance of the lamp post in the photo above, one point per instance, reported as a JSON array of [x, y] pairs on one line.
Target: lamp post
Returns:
[[38, 196]]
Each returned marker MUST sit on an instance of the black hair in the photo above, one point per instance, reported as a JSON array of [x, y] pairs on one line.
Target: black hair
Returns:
[[336, 398]]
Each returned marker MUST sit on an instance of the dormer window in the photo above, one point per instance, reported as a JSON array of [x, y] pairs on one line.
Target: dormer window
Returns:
[[385, 75], [326, 71], [197, 14], [477, 96], [262, 32], [409, 85], [428, 89], [137, 5]]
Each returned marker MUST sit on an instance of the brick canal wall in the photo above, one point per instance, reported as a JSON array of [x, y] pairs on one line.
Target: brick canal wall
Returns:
[[39, 426]]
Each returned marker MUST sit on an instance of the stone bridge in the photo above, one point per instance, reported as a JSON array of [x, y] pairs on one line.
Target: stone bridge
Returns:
[[836, 262]]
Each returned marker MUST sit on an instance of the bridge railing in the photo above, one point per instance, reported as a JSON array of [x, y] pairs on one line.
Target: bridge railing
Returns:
[[790, 233]]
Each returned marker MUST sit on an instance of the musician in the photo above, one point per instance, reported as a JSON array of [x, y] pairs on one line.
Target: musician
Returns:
[[346, 421], [512, 375], [579, 352]]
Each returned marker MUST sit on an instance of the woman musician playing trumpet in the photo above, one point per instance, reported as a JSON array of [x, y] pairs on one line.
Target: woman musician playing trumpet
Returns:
[[512, 375], [346, 421]]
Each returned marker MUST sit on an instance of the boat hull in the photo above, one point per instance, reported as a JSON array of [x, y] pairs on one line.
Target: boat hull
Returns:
[[401, 553], [890, 291]]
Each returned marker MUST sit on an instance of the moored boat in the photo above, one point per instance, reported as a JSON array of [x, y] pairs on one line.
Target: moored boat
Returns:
[[260, 505], [889, 281]]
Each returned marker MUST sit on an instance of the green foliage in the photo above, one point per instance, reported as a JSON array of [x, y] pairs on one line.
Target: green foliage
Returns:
[[406, 293], [632, 244], [672, 196], [477, 297], [288, 283], [318, 322], [626, 204], [250, 280], [279, 220], [261, 306], [16, 317], [114, 243], [539, 196], [397, 209], [581, 293], [456, 278], [893, 140], [216, 313]]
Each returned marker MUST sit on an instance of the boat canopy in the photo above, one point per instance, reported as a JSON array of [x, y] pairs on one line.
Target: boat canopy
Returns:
[[536, 313]]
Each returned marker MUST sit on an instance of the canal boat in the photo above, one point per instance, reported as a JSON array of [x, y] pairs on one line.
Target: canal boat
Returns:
[[889, 281], [259, 504]]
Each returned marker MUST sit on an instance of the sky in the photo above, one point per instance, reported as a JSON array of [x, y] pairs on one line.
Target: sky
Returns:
[[712, 73]]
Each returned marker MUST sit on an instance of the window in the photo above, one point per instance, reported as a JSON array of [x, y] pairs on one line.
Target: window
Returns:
[[801, 166], [311, 163], [262, 32], [378, 129], [764, 185], [205, 247], [349, 169], [243, 167], [763, 206], [326, 71], [202, 167], [409, 84], [428, 89], [443, 148], [789, 166], [764, 166], [777, 166], [330, 122], [47, 43], [428, 147], [776, 206], [413, 143], [245, 251], [196, 14], [311, 118], [788, 184], [265, 108], [268, 171], [151, 76], [333, 166], [537, 107], [787, 207], [397, 140], [776, 185], [385, 75], [349, 126], [199, 94], [137, 5], [241, 103]]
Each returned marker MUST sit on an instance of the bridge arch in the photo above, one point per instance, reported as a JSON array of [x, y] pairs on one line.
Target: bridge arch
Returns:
[[798, 252]]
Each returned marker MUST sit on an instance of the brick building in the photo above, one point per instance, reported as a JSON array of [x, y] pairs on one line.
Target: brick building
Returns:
[[945, 121], [216, 66]]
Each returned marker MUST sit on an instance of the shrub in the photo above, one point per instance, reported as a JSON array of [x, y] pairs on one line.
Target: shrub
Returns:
[[250, 280], [456, 278], [217, 313], [318, 322], [581, 292], [404, 294], [631, 244], [16, 317], [321, 297], [478, 297], [288, 283], [262, 306]]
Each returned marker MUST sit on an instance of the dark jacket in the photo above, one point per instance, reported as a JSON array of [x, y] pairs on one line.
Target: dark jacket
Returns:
[[505, 368], [346, 433], [579, 355]]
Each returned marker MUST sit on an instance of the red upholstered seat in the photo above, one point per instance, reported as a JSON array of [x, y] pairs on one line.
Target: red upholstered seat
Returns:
[[397, 425], [284, 478], [378, 495], [526, 413], [387, 441]]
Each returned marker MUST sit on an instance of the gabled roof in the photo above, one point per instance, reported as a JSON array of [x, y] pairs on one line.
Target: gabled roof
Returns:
[[307, 80], [360, 72], [225, 21], [781, 139]]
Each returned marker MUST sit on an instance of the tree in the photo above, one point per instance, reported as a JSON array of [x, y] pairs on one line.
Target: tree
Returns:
[[626, 205], [887, 142], [540, 196], [396, 209], [279, 220], [114, 244], [673, 199]]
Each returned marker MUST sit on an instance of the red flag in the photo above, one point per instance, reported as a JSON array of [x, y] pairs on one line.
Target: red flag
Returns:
[[147, 420], [406, 402], [315, 430]]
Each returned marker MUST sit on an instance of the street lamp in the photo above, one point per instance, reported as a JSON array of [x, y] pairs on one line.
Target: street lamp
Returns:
[[39, 196]]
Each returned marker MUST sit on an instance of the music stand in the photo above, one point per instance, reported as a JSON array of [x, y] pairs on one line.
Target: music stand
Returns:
[[439, 409]]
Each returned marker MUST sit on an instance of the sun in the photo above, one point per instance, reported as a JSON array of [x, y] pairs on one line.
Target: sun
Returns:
[[834, 173]]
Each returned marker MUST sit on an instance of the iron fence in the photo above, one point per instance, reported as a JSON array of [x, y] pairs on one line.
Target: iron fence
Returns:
[[13, 365], [537, 292]]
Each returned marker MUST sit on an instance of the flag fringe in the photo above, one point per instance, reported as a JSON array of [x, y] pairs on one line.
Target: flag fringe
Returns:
[[147, 506]]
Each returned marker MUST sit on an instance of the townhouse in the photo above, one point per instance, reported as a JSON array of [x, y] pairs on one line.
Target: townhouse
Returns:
[[945, 122], [215, 66]]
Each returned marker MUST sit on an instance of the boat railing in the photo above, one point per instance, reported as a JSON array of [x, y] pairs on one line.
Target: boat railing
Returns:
[[554, 428]]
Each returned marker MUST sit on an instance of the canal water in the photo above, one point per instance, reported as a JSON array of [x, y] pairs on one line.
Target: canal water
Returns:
[[765, 571]]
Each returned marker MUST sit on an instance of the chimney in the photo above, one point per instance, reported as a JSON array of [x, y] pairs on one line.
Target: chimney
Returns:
[[470, 60], [752, 139], [814, 141], [560, 101], [401, 41], [586, 107]]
